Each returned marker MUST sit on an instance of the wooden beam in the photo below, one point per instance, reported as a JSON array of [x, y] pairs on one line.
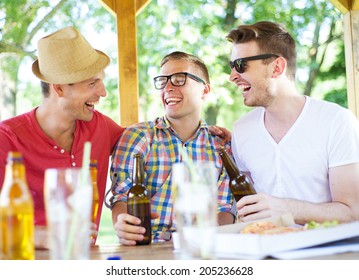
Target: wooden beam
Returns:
[[127, 60], [110, 5], [126, 12], [342, 5], [140, 5], [351, 43], [345, 6]]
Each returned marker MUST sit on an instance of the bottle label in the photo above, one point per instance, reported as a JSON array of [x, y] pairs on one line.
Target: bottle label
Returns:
[[140, 208], [17, 234]]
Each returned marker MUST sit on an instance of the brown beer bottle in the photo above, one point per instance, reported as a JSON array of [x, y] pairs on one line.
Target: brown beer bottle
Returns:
[[95, 194], [138, 199], [16, 212], [239, 183]]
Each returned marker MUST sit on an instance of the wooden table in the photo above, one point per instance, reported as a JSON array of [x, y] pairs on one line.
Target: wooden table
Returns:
[[156, 251], [160, 251]]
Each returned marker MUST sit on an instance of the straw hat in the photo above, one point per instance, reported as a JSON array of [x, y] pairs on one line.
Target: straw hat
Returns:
[[65, 57]]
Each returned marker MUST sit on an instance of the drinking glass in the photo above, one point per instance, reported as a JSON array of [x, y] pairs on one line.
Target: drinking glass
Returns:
[[195, 204], [68, 201]]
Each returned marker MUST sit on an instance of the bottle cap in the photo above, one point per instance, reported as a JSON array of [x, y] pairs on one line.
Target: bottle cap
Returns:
[[114, 258]]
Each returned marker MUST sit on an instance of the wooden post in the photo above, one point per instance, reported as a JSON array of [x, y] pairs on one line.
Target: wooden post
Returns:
[[126, 11], [350, 9], [127, 61], [351, 42]]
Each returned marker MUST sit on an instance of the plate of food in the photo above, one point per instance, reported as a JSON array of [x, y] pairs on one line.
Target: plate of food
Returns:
[[267, 237]]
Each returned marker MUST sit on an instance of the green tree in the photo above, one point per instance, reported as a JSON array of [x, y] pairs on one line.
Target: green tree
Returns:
[[336, 87], [22, 22], [200, 27], [17, 32]]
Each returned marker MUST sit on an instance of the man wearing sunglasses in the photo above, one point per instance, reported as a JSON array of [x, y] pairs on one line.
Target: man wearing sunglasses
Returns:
[[302, 153], [183, 85]]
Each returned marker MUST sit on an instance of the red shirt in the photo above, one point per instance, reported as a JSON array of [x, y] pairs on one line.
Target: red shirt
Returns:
[[23, 133]]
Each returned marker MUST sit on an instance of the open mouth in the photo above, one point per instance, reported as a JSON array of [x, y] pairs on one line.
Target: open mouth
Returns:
[[172, 101], [91, 104], [245, 88]]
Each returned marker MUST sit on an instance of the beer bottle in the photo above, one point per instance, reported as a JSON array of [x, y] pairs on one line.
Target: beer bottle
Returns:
[[16, 212], [95, 194], [138, 199], [239, 183]]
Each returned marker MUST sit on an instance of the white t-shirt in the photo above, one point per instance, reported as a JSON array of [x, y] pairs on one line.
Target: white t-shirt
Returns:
[[324, 135]]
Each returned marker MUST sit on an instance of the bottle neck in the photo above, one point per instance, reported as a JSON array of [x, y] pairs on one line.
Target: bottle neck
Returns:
[[93, 173], [229, 164], [16, 170], [15, 183], [93, 170], [138, 172]]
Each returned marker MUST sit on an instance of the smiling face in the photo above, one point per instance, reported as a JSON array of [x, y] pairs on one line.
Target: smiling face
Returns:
[[255, 81], [78, 100], [183, 102]]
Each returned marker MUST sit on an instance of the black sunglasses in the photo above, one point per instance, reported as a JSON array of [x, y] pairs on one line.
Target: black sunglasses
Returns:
[[240, 63], [177, 80]]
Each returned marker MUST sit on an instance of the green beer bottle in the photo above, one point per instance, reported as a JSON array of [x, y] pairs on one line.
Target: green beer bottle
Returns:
[[138, 199], [240, 184]]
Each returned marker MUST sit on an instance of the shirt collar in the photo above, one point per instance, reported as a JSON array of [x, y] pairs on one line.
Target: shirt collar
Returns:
[[163, 123]]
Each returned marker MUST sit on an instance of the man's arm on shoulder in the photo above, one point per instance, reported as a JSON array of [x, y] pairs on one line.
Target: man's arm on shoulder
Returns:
[[221, 132]]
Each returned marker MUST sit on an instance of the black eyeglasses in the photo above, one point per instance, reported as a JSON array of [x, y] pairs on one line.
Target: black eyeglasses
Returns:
[[240, 63], [177, 79]]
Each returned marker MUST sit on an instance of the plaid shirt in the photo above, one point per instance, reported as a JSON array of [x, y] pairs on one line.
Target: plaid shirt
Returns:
[[158, 143]]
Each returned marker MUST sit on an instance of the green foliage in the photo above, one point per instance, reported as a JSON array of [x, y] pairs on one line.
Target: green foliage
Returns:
[[200, 27], [337, 64], [337, 96], [335, 71], [190, 26], [22, 23], [197, 27]]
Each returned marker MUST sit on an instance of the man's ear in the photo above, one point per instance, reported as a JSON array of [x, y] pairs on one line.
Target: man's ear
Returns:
[[58, 89], [280, 65], [206, 91]]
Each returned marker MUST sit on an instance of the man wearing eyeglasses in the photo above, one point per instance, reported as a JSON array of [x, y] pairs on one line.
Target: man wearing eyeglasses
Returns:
[[302, 153], [183, 86]]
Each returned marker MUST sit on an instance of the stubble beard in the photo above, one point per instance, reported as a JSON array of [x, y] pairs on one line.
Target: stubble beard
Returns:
[[259, 98]]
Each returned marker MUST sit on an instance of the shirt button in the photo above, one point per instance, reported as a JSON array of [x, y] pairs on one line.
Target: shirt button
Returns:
[[62, 151], [72, 156], [55, 147], [73, 164]]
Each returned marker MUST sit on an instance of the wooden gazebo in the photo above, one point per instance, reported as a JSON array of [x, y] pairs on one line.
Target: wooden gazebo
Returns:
[[127, 10]]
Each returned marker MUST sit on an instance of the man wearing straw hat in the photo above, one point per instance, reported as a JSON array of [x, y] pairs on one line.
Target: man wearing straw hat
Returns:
[[53, 134]]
